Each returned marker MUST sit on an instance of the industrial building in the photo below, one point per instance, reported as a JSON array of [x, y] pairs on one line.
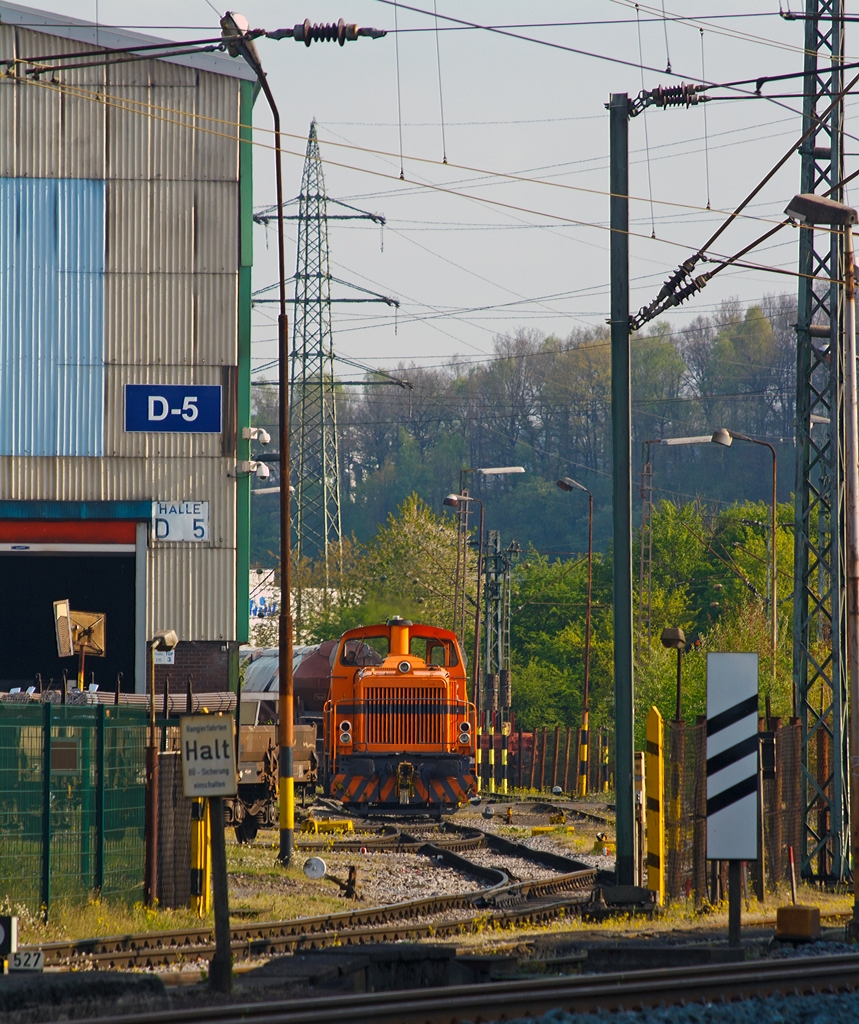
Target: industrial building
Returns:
[[125, 309]]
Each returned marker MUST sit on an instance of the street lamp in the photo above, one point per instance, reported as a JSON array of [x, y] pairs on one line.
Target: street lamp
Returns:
[[238, 38], [811, 210], [726, 438], [567, 483], [674, 637]]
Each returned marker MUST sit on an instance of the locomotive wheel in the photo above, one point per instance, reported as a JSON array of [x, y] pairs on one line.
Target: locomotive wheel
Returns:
[[246, 831]]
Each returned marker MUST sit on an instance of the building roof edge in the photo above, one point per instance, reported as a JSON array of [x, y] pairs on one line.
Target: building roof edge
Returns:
[[108, 37]]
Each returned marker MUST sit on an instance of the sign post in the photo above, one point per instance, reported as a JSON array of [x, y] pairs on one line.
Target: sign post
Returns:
[[209, 770], [732, 770]]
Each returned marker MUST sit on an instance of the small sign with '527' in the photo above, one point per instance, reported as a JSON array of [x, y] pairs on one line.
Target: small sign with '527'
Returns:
[[27, 960]]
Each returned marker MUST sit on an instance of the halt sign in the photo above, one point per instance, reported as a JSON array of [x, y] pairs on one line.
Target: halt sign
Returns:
[[208, 755], [732, 756]]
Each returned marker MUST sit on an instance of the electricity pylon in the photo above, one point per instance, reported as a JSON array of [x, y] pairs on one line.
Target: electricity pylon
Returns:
[[314, 452], [313, 405], [820, 594]]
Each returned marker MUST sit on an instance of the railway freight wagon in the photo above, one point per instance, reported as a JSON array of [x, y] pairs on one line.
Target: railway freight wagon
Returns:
[[255, 806], [399, 728]]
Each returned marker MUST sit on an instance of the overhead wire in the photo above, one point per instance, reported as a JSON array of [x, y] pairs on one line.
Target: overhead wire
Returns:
[[129, 105], [563, 47]]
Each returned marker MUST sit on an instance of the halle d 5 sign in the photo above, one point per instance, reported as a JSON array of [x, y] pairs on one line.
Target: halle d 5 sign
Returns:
[[208, 755]]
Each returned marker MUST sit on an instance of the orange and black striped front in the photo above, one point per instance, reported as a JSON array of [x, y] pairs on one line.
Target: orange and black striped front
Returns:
[[394, 783]]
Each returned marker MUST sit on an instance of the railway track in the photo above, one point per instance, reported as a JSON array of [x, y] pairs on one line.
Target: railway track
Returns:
[[506, 1000], [500, 902], [396, 841]]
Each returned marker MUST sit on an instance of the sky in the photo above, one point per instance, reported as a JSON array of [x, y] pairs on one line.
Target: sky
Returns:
[[511, 233]]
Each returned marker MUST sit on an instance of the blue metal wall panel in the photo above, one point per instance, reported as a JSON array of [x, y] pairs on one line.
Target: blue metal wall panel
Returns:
[[52, 240]]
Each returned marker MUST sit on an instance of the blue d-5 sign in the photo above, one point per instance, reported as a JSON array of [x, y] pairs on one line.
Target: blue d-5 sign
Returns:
[[173, 408]]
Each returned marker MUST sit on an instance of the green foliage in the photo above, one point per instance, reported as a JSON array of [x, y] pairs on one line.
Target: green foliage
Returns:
[[407, 569], [709, 578]]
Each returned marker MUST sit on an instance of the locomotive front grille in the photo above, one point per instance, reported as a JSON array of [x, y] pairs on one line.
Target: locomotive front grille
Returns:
[[405, 717]]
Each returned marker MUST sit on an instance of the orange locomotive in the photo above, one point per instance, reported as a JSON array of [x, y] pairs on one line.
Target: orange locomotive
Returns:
[[399, 728]]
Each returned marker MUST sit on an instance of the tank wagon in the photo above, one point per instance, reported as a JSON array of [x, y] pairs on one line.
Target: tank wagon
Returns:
[[255, 805], [399, 730]]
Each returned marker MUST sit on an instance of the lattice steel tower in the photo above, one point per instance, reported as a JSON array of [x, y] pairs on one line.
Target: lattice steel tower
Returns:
[[313, 407], [820, 596]]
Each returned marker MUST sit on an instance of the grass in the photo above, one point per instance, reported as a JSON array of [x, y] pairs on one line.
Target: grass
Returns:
[[260, 890]]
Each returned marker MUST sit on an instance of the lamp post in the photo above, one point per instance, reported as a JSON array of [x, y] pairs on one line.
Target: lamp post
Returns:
[[727, 437], [162, 640], [567, 483], [674, 637], [238, 37], [813, 210]]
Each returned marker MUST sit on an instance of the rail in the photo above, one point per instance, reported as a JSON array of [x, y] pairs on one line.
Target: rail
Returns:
[[533, 997]]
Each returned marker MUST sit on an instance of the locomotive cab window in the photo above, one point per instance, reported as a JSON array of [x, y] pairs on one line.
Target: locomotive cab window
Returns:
[[433, 651], [365, 650]]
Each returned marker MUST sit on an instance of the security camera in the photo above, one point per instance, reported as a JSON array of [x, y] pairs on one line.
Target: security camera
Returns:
[[262, 471], [256, 434]]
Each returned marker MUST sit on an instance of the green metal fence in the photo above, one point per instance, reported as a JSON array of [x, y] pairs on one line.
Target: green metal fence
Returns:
[[77, 828]]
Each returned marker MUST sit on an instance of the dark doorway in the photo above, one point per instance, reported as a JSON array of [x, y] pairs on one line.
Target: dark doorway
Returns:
[[29, 584]]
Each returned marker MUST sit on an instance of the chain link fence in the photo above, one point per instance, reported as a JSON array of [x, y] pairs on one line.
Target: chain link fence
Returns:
[[687, 869], [72, 790]]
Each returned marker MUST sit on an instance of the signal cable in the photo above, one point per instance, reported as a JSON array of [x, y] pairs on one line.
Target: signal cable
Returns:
[[704, 112], [646, 136], [440, 96], [399, 99], [665, 30]]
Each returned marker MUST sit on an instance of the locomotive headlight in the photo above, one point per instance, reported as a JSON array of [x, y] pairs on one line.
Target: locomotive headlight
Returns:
[[465, 726], [404, 666], [345, 732], [345, 727], [464, 739], [345, 738]]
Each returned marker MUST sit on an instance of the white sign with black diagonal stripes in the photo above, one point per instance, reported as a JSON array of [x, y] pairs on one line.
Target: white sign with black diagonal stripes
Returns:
[[732, 756]]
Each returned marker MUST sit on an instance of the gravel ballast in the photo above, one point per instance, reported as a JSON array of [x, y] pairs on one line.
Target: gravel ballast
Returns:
[[817, 1009]]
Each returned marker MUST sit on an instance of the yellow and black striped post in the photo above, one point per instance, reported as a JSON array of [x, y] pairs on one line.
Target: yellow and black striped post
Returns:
[[478, 753], [654, 787], [583, 757], [201, 858], [640, 821], [605, 774], [491, 751], [505, 732]]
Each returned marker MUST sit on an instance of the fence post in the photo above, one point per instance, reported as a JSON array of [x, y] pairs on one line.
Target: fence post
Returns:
[[47, 727], [543, 759], [654, 788], [99, 801], [556, 756], [699, 826], [677, 751], [640, 820], [567, 761]]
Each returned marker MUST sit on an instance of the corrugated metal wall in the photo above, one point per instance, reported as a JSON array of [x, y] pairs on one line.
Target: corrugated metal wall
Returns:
[[159, 143], [51, 316]]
